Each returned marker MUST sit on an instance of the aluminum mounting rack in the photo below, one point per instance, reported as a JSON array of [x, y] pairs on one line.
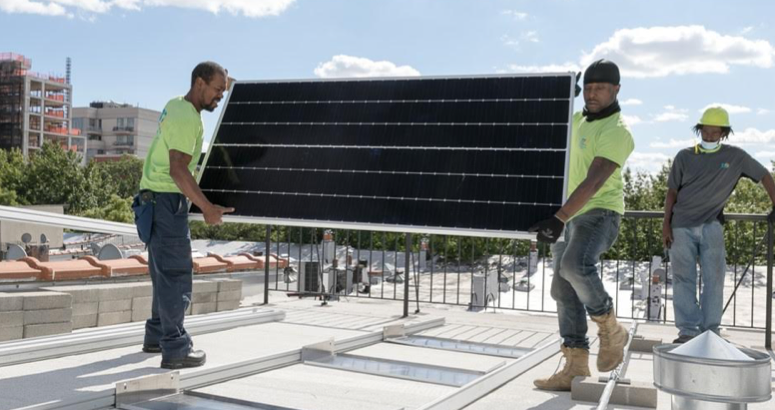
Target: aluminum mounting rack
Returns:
[[111, 337]]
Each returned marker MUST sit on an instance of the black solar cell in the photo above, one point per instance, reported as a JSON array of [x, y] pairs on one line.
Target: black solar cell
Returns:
[[478, 155]]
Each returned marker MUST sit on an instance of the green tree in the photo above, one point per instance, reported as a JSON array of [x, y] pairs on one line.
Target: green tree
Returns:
[[12, 177], [124, 174], [117, 209]]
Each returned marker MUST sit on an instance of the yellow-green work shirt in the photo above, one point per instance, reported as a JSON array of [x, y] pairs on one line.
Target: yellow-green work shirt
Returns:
[[609, 138], [181, 129]]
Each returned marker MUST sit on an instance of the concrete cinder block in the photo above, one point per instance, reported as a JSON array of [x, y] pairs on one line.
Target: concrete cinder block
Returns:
[[142, 289], [228, 305], [118, 305], [83, 321], [36, 317], [11, 302], [638, 394], [87, 308], [230, 295], [116, 291], [643, 345], [142, 303], [227, 284], [11, 333], [202, 308], [12, 319], [46, 300], [47, 329], [205, 286], [141, 315], [208, 297], [80, 294], [114, 318]]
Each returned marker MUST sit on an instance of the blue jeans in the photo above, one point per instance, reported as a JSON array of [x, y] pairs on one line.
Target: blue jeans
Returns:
[[706, 243], [171, 269], [576, 285]]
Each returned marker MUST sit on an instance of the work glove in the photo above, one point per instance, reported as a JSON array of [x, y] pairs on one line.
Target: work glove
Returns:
[[548, 230]]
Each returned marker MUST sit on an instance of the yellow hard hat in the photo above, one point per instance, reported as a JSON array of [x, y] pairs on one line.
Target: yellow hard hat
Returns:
[[715, 116]]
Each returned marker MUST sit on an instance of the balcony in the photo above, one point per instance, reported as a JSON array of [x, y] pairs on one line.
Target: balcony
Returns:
[[123, 130], [124, 144]]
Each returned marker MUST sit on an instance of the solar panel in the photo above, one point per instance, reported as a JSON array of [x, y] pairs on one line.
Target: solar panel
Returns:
[[481, 156]]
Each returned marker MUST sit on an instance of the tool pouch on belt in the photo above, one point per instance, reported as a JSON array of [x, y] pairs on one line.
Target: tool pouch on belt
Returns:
[[143, 207]]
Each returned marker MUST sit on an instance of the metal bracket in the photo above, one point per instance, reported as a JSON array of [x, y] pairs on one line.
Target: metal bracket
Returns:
[[394, 331], [146, 388], [605, 379], [318, 350]]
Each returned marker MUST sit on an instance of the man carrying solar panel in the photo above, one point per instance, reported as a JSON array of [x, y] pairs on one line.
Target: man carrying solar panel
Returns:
[[161, 214], [600, 145]]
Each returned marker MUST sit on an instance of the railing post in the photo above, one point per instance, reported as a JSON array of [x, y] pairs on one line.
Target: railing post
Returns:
[[266, 263], [407, 266], [768, 320]]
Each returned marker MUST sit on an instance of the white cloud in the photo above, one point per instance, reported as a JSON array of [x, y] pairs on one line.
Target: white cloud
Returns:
[[732, 109], [248, 8], [530, 36], [551, 68], [631, 101], [647, 161], [673, 143], [746, 30], [349, 66], [32, 7], [516, 15], [765, 154], [509, 41], [762, 111], [679, 50], [631, 120], [671, 114], [753, 136]]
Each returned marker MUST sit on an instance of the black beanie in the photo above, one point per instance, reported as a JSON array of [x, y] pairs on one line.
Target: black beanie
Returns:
[[602, 71]]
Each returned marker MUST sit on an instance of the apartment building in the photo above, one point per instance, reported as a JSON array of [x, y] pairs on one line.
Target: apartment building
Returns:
[[35, 108], [115, 129]]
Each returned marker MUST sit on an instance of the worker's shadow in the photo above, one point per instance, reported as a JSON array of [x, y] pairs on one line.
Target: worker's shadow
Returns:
[[70, 382], [558, 402]]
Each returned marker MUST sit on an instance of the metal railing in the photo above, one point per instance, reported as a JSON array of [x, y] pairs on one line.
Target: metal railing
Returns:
[[463, 270]]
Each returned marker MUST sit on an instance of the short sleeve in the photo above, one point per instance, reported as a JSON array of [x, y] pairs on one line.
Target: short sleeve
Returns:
[[179, 134], [751, 168], [675, 178], [615, 144]]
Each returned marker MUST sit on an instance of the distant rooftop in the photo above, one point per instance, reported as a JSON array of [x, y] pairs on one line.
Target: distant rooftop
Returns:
[[109, 104]]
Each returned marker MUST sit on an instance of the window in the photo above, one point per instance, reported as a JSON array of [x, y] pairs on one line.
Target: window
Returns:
[[120, 122], [130, 122]]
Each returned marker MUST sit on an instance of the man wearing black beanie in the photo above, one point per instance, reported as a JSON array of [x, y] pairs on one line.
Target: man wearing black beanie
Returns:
[[600, 145]]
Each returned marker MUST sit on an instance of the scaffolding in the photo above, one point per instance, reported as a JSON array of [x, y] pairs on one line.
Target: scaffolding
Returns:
[[35, 108], [13, 68]]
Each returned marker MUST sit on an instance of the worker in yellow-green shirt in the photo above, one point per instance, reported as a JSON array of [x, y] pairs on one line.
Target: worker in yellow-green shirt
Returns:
[[161, 214], [600, 145]]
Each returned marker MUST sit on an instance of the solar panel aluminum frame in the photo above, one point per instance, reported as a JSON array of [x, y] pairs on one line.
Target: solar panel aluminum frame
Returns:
[[386, 227]]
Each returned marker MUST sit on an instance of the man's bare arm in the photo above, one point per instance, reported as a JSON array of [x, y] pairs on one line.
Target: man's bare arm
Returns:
[[179, 172], [599, 172], [769, 186]]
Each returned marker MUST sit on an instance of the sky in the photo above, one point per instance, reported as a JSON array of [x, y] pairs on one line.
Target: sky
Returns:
[[676, 57]]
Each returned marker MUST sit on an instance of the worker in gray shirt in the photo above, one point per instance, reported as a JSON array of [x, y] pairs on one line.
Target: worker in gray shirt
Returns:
[[701, 180]]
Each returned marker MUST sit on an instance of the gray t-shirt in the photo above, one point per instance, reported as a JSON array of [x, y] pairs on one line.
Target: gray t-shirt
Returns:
[[705, 181]]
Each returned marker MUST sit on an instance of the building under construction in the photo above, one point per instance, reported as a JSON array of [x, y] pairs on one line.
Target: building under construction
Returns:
[[35, 108]]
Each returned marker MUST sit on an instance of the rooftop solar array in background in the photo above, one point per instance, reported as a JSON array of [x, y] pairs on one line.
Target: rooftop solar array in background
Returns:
[[468, 156]]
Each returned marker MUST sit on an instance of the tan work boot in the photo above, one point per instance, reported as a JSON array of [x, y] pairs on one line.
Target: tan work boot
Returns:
[[576, 364], [613, 337]]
